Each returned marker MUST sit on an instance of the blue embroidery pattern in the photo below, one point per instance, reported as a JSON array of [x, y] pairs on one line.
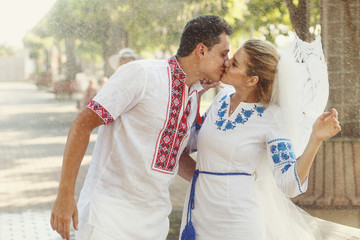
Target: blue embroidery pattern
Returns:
[[297, 179], [278, 139], [241, 118], [282, 153]]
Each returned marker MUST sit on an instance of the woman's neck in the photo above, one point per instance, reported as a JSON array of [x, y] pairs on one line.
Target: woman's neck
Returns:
[[248, 97], [237, 98]]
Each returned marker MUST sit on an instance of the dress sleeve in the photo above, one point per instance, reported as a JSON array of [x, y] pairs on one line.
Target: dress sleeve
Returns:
[[122, 91], [283, 161]]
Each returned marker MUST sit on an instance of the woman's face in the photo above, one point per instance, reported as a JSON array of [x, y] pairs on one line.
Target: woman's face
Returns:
[[235, 69]]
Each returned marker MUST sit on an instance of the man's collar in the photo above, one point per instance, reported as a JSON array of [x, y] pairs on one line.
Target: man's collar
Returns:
[[176, 69]]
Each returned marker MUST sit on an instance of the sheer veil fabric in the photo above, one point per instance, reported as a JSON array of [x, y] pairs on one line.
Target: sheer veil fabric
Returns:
[[301, 89]]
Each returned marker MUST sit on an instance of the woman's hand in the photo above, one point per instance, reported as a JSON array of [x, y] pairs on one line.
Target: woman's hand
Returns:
[[326, 125]]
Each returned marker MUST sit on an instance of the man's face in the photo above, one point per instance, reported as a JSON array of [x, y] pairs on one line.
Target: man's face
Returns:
[[212, 65]]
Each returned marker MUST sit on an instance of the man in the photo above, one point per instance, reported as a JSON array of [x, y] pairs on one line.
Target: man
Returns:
[[147, 108], [125, 55]]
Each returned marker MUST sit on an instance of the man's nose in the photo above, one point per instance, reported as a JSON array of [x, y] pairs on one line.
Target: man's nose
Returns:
[[227, 62]]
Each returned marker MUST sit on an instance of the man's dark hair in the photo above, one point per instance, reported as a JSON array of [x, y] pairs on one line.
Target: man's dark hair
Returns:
[[204, 29]]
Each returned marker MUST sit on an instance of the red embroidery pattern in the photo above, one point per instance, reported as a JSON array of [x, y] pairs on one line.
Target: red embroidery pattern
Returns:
[[101, 111], [174, 132]]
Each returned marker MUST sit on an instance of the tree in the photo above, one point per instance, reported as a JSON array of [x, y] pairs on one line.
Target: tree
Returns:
[[6, 50], [300, 18], [62, 25], [156, 26], [353, 29], [117, 24], [271, 18], [38, 51], [93, 22], [89, 27], [264, 19]]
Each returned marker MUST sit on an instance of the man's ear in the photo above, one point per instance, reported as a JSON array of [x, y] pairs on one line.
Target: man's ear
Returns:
[[200, 50], [252, 81]]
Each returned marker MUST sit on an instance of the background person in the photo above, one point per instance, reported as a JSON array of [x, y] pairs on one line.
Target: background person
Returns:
[[125, 55], [91, 92]]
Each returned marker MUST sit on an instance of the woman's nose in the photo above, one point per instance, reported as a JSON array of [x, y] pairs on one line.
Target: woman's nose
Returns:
[[227, 63]]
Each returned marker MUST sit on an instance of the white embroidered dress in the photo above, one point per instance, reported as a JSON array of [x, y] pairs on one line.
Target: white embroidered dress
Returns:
[[227, 207], [148, 110]]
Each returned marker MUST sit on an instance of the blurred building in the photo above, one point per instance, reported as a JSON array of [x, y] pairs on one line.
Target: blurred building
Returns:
[[12, 68]]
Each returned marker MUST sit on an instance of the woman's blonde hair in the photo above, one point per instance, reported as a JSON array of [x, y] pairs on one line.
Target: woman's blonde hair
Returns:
[[262, 61]]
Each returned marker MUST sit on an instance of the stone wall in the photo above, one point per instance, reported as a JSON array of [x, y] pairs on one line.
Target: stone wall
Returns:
[[340, 23], [334, 180]]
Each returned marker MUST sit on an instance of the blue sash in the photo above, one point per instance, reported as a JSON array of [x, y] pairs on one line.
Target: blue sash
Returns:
[[189, 231]]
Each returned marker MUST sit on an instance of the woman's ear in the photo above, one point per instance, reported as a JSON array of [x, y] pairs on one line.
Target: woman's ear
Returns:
[[252, 81]]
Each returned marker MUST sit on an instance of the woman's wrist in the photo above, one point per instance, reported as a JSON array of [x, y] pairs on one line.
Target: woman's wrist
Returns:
[[315, 140]]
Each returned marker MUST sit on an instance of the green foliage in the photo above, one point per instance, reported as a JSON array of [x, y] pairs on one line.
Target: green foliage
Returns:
[[314, 15], [152, 25], [79, 19], [88, 51], [6, 50], [155, 25], [266, 18], [34, 44]]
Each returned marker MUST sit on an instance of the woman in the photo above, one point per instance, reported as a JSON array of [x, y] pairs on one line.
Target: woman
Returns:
[[239, 129]]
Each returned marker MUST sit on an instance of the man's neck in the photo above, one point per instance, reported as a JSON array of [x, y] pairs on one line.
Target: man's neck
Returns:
[[191, 69]]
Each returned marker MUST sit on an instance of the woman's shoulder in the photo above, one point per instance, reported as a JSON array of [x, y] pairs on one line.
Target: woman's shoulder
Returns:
[[273, 109], [271, 112]]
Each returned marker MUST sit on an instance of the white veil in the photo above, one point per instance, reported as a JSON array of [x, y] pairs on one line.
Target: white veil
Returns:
[[283, 220], [301, 89]]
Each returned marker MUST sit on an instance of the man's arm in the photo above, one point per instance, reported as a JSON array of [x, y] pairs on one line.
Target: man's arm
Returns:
[[186, 166], [78, 139]]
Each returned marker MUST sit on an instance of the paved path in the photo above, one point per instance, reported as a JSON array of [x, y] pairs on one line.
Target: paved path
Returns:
[[33, 130]]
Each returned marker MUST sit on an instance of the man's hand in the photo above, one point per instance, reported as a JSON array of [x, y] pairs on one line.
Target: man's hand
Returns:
[[63, 211], [77, 142]]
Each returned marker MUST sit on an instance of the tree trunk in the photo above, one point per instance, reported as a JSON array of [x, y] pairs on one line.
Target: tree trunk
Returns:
[[300, 18], [106, 54], [352, 29], [70, 64], [118, 39]]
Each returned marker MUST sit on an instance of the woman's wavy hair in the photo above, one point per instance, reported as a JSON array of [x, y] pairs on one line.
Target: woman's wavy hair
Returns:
[[262, 62]]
